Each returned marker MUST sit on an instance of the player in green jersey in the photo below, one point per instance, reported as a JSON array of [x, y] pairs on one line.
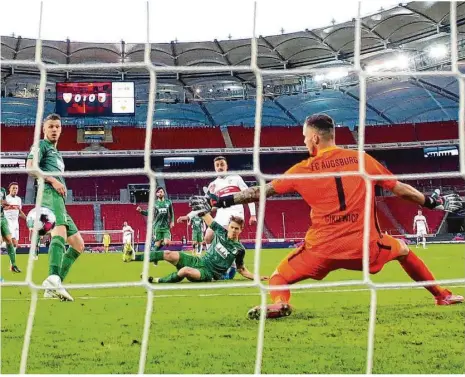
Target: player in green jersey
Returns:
[[60, 260], [223, 251], [6, 234], [163, 219], [197, 226]]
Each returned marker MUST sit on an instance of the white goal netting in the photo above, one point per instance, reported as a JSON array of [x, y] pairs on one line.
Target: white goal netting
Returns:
[[261, 178]]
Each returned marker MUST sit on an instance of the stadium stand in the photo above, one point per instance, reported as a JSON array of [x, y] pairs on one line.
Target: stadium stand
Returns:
[[105, 188], [404, 212], [21, 179], [20, 138], [390, 134], [437, 131], [133, 138], [183, 187], [296, 214], [167, 138], [280, 136]]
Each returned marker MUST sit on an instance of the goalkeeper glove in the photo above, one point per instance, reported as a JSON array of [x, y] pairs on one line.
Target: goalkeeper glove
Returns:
[[216, 201], [448, 203], [200, 204]]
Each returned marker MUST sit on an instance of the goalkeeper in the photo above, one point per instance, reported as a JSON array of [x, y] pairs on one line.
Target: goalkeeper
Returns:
[[223, 251], [334, 241]]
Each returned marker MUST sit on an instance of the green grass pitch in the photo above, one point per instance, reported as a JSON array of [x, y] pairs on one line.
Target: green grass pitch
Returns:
[[206, 331]]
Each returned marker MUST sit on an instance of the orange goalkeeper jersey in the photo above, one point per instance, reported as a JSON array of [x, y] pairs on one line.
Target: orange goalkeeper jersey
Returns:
[[337, 203]]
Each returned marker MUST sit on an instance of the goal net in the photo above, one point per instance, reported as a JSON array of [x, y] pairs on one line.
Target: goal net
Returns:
[[261, 179]]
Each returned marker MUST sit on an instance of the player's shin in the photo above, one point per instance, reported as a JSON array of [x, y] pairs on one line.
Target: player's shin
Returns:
[[68, 259], [279, 296], [154, 256], [11, 253], [171, 278], [424, 242], [418, 271], [55, 255]]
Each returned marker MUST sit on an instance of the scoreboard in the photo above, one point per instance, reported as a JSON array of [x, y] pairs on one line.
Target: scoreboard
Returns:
[[74, 99]]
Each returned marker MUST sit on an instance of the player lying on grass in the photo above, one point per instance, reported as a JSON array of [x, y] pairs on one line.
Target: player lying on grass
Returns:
[[335, 238], [223, 251]]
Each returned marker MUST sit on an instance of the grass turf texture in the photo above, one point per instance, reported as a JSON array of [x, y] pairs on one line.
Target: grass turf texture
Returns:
[[206, 331]]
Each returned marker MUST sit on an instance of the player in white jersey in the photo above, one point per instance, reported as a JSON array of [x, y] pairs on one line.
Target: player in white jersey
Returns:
[[225, 185], [128, 235], [421, 227], [13, 211]]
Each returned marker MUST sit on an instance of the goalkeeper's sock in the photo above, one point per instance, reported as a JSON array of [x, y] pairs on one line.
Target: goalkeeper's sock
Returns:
[[154, 256], [279, 296], [11, 253], [418, 271], [68, 259], [171, 278], [55, 255]]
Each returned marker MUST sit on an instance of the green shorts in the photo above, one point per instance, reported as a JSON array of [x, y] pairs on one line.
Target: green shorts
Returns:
[[55, 202], [160, 235], [5, 228], [187, 260], [197, 237]]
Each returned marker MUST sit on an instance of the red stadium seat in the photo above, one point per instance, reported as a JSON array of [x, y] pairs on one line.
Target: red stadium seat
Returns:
[[437, 131], [390, 134], [278, 136], [404, 212], [131, 138], [23, 137]]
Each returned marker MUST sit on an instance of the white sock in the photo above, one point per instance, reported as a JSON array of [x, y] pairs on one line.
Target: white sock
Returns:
[[424, 243]]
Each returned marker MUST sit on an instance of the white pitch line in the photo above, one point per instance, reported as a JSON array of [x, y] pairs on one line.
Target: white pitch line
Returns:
[[218, 294]]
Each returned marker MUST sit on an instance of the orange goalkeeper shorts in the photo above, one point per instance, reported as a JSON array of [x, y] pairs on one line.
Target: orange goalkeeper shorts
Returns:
[[308, 263]]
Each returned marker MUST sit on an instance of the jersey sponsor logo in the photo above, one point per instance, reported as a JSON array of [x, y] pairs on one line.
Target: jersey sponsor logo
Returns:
[[221, 250], [228, 190], [346, 218]]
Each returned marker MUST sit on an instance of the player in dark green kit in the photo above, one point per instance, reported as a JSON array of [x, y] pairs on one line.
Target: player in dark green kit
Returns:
[[196, 224], [60, 260], [223, 251], [6, 234], [163, 220], [197, 234]]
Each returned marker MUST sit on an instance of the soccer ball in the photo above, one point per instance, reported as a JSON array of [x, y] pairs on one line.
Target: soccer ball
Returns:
[[46, 223]]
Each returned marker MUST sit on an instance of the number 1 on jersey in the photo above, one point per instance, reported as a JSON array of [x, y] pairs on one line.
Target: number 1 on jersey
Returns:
[[340, 193]]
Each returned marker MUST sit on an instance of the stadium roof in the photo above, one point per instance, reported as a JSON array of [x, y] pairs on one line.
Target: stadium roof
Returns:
[[384, 32]]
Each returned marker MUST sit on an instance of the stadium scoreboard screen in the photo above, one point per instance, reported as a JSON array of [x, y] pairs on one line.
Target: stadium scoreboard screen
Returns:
[[74, 99]]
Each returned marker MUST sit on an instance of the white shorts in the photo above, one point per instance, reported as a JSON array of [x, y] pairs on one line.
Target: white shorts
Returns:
[[421, 232], [223, 215], [127, 238], [14, 229]]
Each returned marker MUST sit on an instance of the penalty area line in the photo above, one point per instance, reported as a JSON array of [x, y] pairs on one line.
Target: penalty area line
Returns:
[[215, 294]]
